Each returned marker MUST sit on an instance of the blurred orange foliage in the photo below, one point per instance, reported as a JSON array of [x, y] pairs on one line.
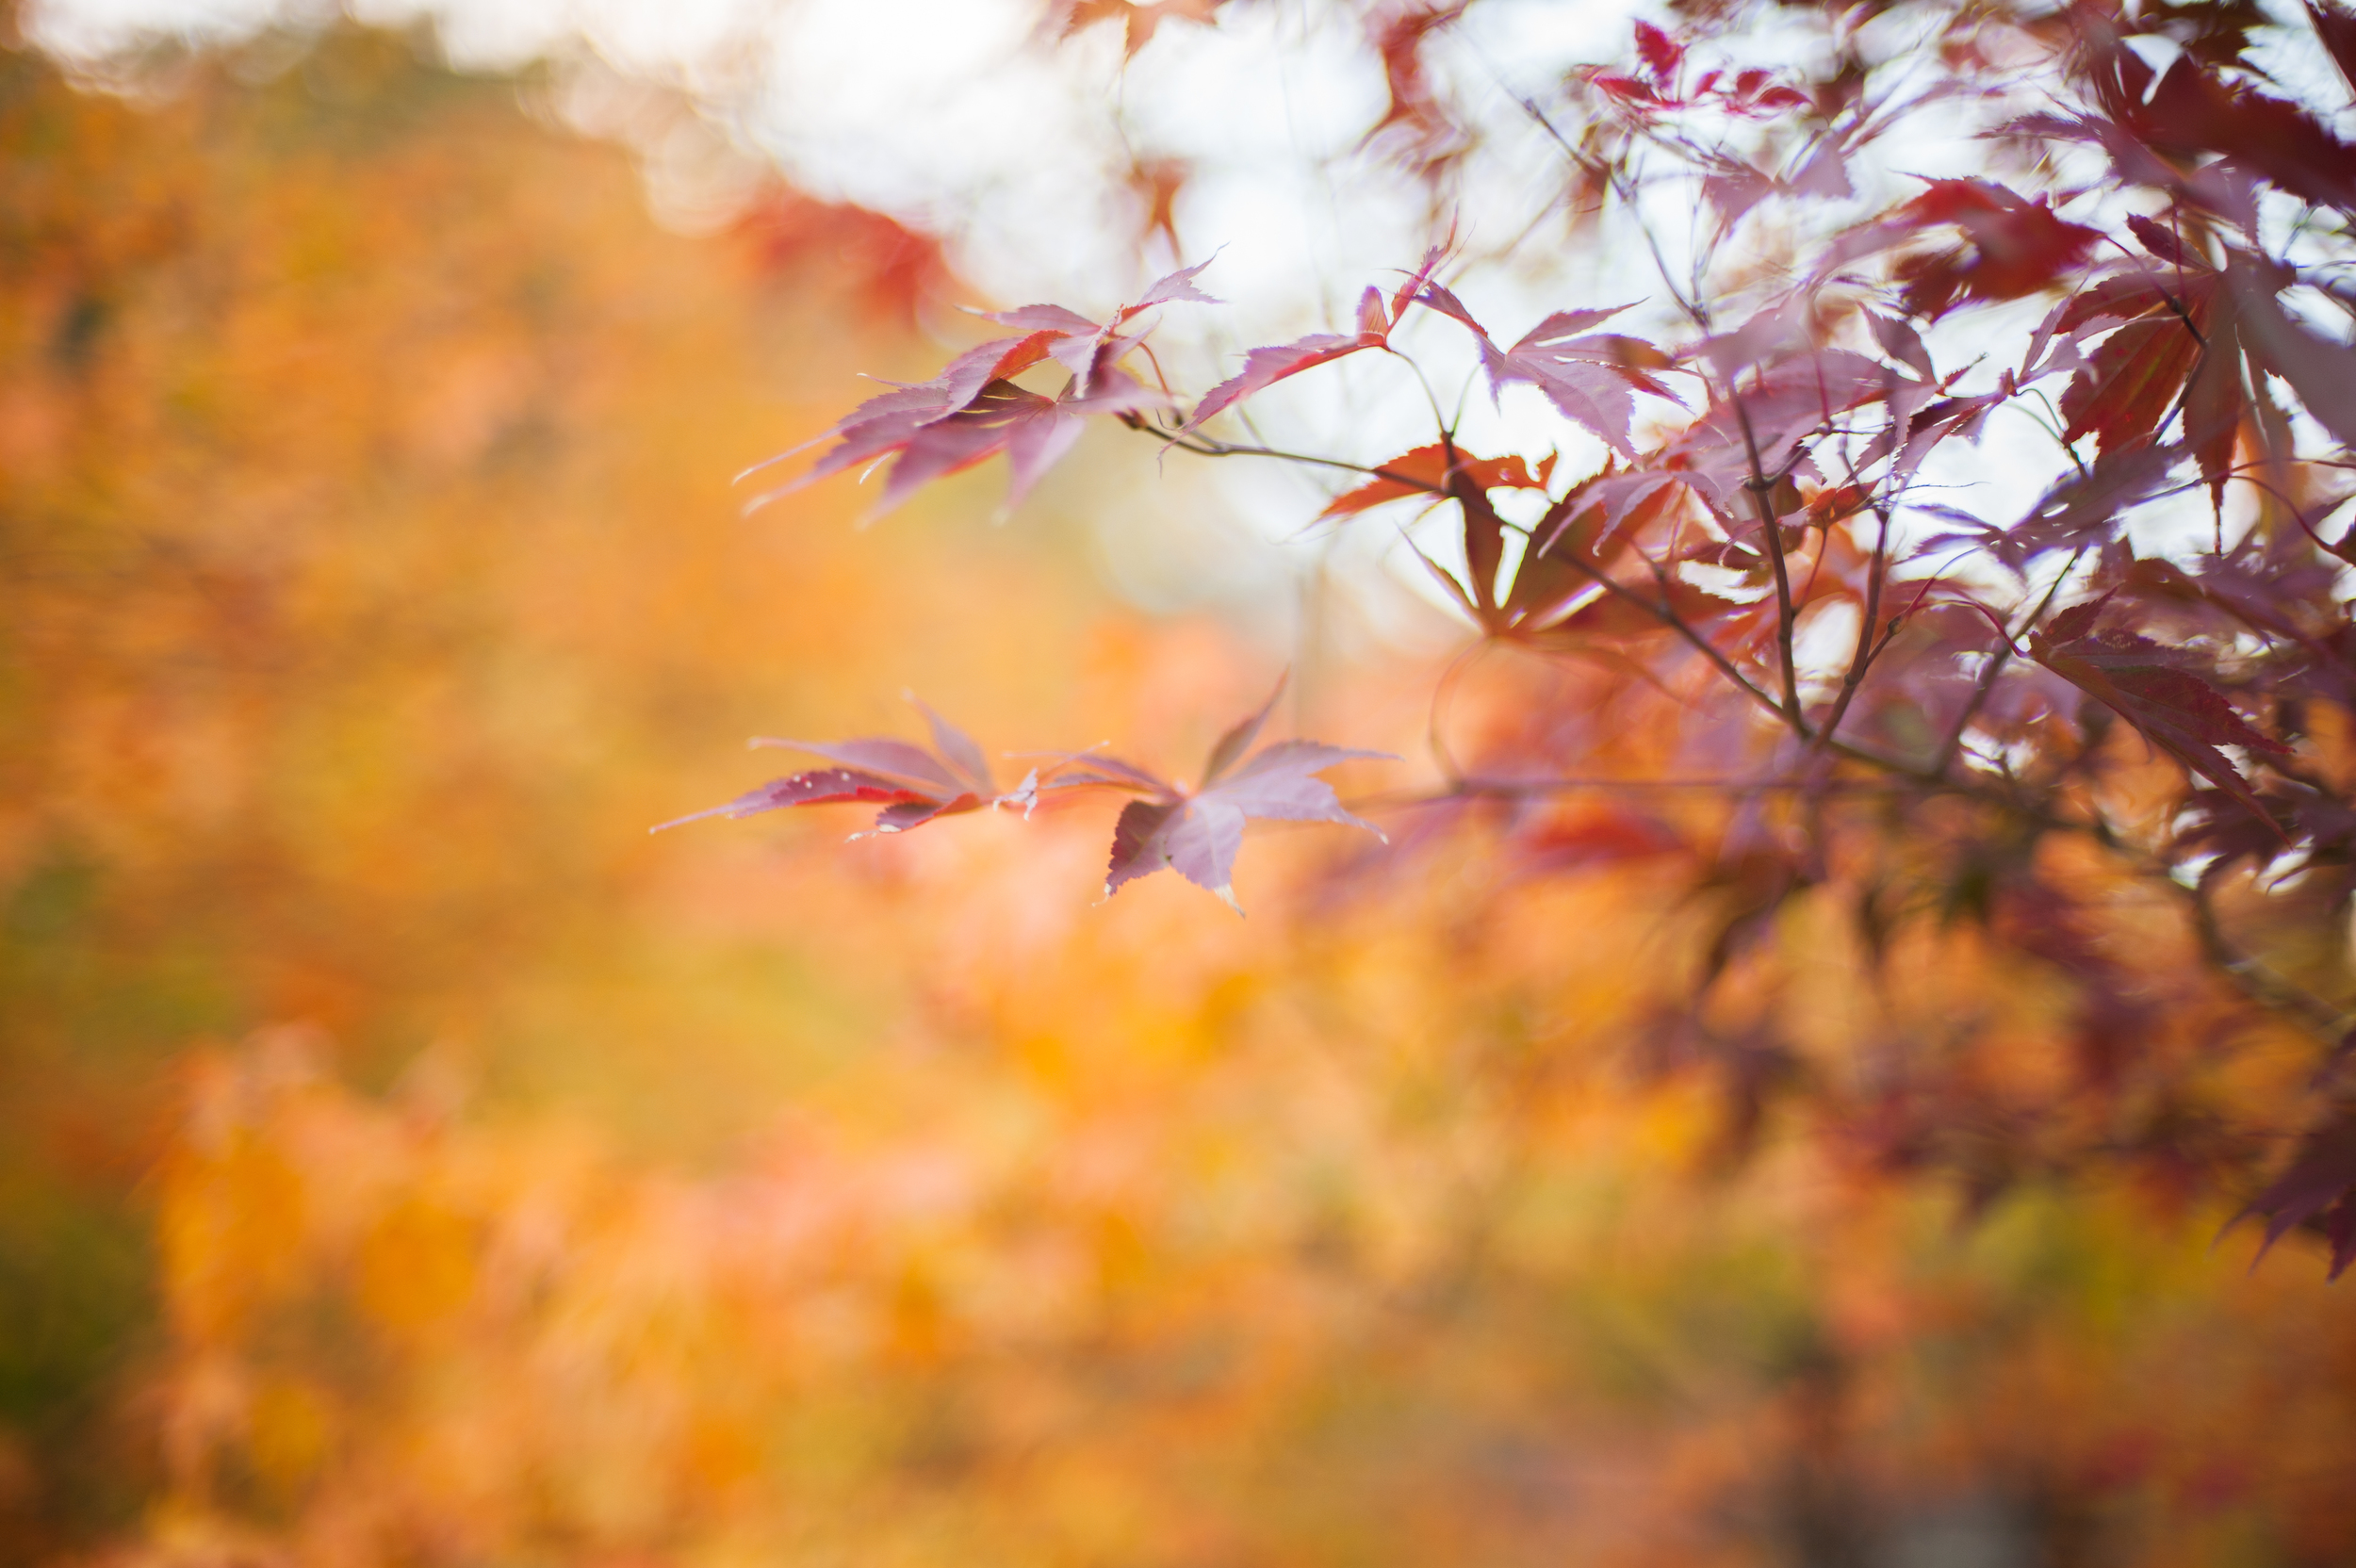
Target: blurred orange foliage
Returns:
[[403, 1159]]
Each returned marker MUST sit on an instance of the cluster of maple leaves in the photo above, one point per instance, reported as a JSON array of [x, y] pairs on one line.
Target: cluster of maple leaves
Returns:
[[1763, 457]]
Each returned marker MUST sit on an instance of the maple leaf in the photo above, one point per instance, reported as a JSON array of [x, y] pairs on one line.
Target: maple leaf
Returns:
[[1399, 34], [913, 785], [1659, 52], [2319, 1183], [2148, 686], [1265, 367], [2163, 242], [2080, 506], [2189, 110], [2128, 386], [2017, 246], [1196, 833], [895, 269], [974, 409], [2322, 373], [2335, 24], [1587, 376], [1425, 471]]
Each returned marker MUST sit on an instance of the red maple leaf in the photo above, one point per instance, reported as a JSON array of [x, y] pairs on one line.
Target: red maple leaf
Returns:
[[974, 409], [914, 785], [1265, 367], [2017, 246], [1196, 833], [1660, 53], [2150, 687], [1587, 376], [2131, 381], [1425, 471]]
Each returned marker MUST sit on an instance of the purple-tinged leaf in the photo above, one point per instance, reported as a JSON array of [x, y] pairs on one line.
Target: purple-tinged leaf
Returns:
[[1082, 770], [1037, 437], [1197, 835], [1001, 415], [822, 787], [1902, 343], [971, 371], [913, 785], [2323, 374], [1565, 323], [1595, 399], [1825, 176], [2150, 687], [2162, 242], [1279, 783], [1265, 368], [1176, 287], [1138, 849], [1233, 744], [906, 814], [1433, 297], [957, 747], [1044, 318], [2085, 506], [898, 759]]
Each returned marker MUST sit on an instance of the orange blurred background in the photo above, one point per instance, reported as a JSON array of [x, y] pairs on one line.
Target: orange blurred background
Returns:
[[407, 1159]]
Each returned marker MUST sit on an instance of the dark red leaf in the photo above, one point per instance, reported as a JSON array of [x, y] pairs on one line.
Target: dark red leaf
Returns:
[[2192, 109], [2335, 24], [2150, 687], [2319, 1183], [2215, 400], [2017, 246]]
